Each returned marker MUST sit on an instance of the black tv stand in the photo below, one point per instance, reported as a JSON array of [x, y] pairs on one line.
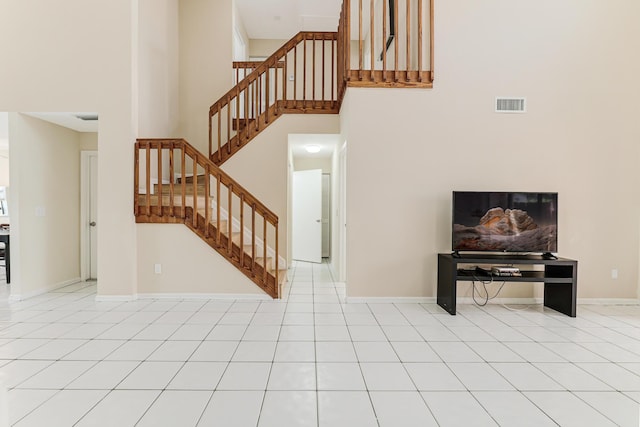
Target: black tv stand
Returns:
[[549, 255], [455, 254], [560, 277]]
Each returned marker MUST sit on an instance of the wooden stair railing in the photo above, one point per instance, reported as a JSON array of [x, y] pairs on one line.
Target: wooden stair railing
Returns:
[[393, 40], [300, 77], [188, 198]]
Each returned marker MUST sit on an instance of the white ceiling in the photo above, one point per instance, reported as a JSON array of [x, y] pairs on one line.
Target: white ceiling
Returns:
[[69, 120], [282, 19], [327, 144]]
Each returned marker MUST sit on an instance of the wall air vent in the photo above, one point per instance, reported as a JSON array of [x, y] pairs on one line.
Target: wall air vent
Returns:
[[87, 117], [511, 105]]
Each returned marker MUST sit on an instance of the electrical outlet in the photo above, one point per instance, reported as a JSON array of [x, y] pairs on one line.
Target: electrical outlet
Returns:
[[291, 78], [157, 268], [614, 273]]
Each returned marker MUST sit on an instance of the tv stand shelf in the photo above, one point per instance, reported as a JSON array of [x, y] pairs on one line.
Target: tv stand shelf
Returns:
[[559, 277]]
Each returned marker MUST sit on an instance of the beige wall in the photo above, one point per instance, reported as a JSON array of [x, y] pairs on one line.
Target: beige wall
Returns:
[[189, 265], [264, 48], [4, 168], [76, 55], [307, 163], [48, 206], [205, 64], [577, 138], [89, 141], [158, 68]]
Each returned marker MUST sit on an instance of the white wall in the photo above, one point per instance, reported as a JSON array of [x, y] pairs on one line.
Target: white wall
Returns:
[[46, 225], [76, 55], [578, 138]]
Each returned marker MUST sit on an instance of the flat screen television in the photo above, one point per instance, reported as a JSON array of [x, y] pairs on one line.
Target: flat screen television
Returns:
[[505, 221]]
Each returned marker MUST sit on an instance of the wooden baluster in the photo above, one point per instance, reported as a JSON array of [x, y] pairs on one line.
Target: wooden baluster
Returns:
[[333, 72], [136, 177], [284, 80], [183, 166], [264, 249], [277, 287], [238, 114], [304, 69], [372, 33], [160, 178], [230, 220], [384, 41], [195, 193], [395, 38], [313, 71], [275, 89], [172, 207], [255, 102], [295, 74], [360, 55], [431, 33], [420, 40], [219, 133], [207, 201], [148, 177], [266, 95], [228, 104], [408, 60], [260, 84], [218, 177], [323, 69], [253, 239], [210, 134], [346, 38], [241, 230], [246, 112]]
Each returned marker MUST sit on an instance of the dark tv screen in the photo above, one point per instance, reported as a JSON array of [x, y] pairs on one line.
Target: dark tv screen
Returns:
[[505, 221]]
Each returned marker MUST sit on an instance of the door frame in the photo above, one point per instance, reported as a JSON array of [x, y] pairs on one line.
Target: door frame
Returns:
[[85, 208]]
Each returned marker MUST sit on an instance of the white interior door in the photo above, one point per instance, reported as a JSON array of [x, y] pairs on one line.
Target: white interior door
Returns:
[[307, 216], [89, 215], [326, 215], [93, 217]]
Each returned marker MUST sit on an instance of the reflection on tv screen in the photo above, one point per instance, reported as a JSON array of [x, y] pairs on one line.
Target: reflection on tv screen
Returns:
[[505, 221]]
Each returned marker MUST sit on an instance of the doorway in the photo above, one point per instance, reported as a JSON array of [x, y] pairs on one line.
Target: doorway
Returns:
[[89, 215]]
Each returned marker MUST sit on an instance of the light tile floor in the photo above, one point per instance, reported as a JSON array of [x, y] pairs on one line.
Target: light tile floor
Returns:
[[312, 360]]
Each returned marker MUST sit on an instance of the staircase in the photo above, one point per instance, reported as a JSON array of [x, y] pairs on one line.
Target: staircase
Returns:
[[299, 78], [175, 183], [204, 200]]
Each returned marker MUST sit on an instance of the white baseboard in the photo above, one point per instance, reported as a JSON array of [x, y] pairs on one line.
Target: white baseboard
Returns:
[[260, 297], [116, 298], [608, 301], [22, 297], [390, 300], [176, 296]]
